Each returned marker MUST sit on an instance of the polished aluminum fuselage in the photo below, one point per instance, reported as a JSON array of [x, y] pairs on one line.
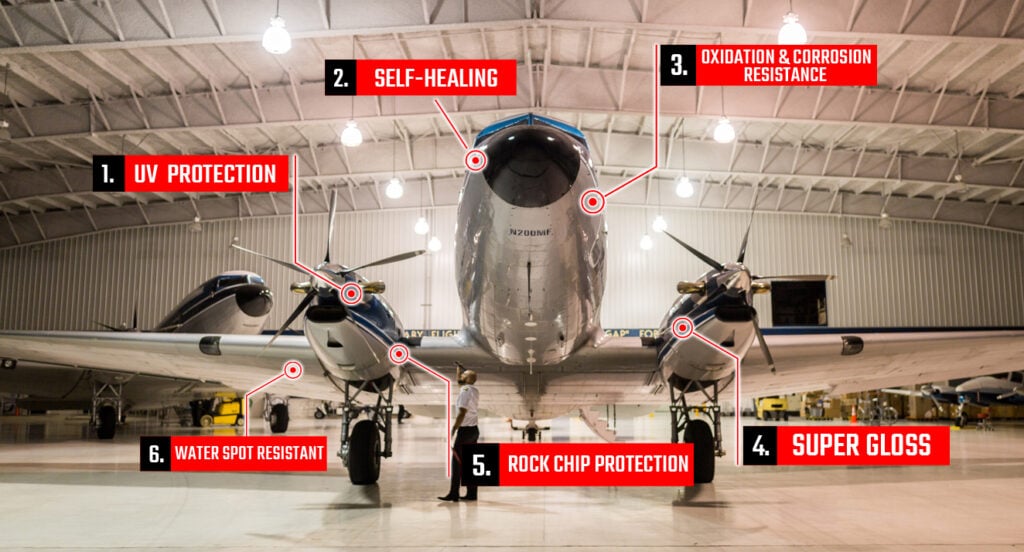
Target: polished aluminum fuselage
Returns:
[[530, 278]]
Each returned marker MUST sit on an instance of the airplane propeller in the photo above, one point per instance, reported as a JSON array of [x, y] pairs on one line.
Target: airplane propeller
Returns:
[[336, 273], [759, 284]]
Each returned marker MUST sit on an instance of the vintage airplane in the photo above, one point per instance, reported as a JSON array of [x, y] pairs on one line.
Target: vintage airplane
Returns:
[[234, 302], [981, 391], [530, 268]]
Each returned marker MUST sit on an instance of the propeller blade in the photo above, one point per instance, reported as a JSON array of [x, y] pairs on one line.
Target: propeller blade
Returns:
[[798, 277], [743, 246], [714, 264], [285, 264], [387, 260], [291, 318], [746, 235], [764, 346], [330, 224]]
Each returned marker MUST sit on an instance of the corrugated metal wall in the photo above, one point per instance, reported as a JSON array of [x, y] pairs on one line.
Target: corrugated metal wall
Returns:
[[910, 275]]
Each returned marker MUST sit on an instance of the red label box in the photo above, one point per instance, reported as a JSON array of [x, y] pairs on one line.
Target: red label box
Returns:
[[233, 453]]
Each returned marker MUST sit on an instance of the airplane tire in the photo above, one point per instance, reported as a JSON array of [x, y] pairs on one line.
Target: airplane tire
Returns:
[[318, 414], [531, 434], [206, 421], [364, 454], [107, 422], [699, 433], [279, 418]]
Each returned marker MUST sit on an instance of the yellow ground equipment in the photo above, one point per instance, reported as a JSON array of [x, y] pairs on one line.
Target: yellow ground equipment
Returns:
[[224, 409], [773, 408]]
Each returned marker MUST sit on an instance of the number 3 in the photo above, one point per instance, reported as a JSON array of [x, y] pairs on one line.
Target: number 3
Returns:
[[677, 64]]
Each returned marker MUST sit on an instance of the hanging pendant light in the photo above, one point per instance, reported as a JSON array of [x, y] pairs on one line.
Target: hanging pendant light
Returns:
[[351, 136], [276, 39], [421, 227], [660, 224], [792, 32], [434, 244], [724, 133]]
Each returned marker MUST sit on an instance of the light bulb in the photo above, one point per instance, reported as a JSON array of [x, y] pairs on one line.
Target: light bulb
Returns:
[[351, 136], [884, 223], [646, 243], [276, 39], [684, 188], [394, 189], [421, 226], [792, 32], [434, 244], [724, 133], [659, 224]]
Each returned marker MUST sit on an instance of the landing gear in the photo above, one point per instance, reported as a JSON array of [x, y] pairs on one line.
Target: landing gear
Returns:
[[706, 439], [364, 459], [531, 434], [279, 418], [362, 449], [107, 408]]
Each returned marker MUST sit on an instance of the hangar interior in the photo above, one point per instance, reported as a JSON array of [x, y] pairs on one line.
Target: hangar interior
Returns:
[[910, 192]]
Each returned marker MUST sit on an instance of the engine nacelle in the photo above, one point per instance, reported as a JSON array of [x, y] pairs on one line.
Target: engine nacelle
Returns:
[[691, 359], [352, 342]]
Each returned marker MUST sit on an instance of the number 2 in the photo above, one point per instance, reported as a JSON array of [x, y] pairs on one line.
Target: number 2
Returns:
[[338, 83]]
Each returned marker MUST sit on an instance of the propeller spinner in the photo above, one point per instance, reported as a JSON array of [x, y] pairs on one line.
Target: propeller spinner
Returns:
[[333, 272]]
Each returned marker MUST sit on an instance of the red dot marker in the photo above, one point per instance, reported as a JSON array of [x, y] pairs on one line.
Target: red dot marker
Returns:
[[398, 353], [351, 294], [592, 202], [293, 369], [475, 160], [682, 327]]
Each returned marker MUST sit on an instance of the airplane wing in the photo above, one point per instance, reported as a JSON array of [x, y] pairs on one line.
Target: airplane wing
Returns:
[[236, 361], [814, 361], [624, 370]]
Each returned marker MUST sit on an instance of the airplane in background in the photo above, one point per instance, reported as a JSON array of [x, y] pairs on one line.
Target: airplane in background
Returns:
[[235, 302], [981, 391], [531, 270]]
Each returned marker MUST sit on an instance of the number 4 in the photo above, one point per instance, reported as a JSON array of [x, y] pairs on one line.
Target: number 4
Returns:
[[759, 447]]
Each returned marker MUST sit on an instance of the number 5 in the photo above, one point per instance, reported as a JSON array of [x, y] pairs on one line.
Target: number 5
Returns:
[[478, 465]]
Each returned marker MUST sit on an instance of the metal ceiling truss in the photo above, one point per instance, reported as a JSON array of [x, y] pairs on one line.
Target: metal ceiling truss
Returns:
[[190, 77]]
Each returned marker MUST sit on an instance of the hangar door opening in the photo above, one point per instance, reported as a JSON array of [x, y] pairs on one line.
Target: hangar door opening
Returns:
[[799, 304]]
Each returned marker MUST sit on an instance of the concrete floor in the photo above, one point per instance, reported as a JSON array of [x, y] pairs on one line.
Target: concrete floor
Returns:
[[64, 489]]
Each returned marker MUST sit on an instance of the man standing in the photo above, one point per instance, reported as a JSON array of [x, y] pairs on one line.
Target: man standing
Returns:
[[464, 429]]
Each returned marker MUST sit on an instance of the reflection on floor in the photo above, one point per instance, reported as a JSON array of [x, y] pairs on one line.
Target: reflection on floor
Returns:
[[63, 488]]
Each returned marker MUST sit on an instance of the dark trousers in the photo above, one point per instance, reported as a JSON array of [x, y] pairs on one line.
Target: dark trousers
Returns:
[[464, 436]]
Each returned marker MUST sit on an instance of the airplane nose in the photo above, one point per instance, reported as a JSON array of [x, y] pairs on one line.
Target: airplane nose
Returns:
[[255, 300], [530, 166]]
